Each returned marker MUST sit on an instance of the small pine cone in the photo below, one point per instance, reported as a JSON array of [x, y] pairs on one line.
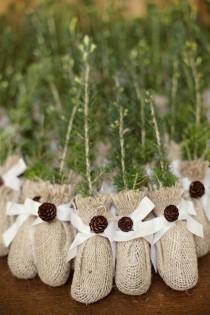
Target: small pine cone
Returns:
[[37, 198], [125, 224], [171, 213], [98, 224], [1, 181], [197, 189], [47, 211]]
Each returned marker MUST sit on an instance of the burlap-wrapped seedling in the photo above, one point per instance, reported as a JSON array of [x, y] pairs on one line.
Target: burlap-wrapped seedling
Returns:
[[93, 275], [53, 237], [195, 178], [9, 191], [133, 265], [176, 254], [20, 257]]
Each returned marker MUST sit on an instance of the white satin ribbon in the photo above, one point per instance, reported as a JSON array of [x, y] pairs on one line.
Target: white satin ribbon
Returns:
[[186, 208], [23, 211], [205, 199], [140, 229], [84, 233], [11, 179]]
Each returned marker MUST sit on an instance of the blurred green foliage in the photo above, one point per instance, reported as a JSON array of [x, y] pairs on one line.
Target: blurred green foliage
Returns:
[[41, 80]]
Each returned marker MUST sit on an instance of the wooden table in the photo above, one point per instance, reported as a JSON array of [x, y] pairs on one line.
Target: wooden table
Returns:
[[28, 297]]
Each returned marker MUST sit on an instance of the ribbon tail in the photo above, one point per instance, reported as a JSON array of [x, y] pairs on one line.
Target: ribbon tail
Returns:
[[194, 227], [153, 256], [10, 178], [80, 238], [205, 202], [144, 208], [9, 234], [149, 238], [162, 231], [113, 246]]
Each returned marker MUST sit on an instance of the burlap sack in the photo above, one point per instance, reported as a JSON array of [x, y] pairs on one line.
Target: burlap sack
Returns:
[[6, 194], [52, 240], [195, 171], [176, 255], [133, 266], [93, 273], [20, 257]]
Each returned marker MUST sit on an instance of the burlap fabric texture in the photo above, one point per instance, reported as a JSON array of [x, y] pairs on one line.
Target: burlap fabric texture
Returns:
[[133, 265], [20, 257], [176, 254], [53, 239], [195, 171], [6, 194], [93, 275]]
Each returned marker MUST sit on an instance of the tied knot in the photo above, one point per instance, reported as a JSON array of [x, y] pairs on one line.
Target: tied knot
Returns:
[[47, 211], [171, 213], [1, 181], [125, 224], [197, 189], [98, 224]]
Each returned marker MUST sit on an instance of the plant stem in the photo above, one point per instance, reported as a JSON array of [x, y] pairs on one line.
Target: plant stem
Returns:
[[67, 138], [173, 97], [197, 92], [157, 134], [56, 96], [122, 146], [86, 125], [142, 112]]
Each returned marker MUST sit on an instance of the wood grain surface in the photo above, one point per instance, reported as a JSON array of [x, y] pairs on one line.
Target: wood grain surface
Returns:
[[28, 297]]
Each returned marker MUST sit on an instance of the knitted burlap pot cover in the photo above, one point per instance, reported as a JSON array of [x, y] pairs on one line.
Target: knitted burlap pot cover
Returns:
[[20, 257], [176, 254], [93, 273], [133, 266], [195, 171], [53, 239], [6, 194]]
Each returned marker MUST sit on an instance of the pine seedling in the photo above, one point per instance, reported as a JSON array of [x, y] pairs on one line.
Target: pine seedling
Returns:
[[196, 141], [82, 144], [161, 175], [128, 174]]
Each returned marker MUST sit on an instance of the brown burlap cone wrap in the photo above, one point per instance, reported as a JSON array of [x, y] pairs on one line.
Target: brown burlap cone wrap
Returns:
[[176, 255], [93, 273], [6, 194], [53, 239], [133, 265], [195, 171], [20, 257]]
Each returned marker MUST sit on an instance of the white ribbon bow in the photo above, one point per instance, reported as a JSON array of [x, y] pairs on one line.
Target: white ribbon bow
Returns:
[[140, 229], [23, 211], [186, 209], [84, 233], [205, 199], [11, 179]]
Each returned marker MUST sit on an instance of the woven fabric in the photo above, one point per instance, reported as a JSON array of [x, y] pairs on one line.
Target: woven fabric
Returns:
[[133, 266], [93, 275], [52, 240], [176, 254], [20, 257], [6, 194], [195, 171]]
